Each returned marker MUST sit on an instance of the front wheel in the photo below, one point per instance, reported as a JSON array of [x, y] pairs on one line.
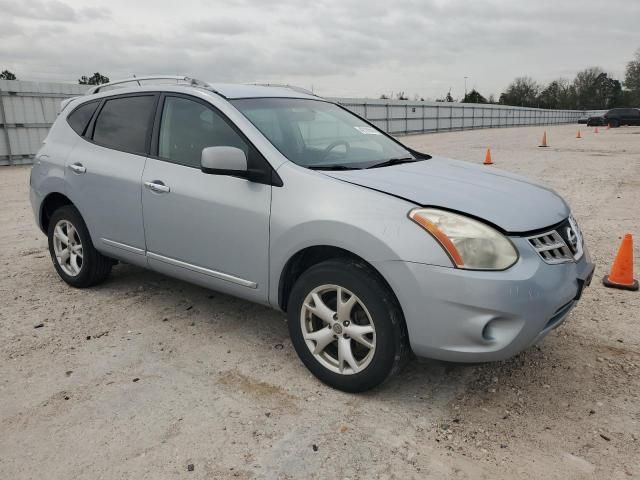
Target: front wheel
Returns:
[[346, 326], [614, 123]]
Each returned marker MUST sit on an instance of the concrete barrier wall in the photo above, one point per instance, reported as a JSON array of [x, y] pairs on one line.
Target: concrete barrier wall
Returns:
[[27, 110]]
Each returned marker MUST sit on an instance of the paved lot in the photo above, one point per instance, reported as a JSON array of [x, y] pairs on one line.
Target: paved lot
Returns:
[[144, 375]]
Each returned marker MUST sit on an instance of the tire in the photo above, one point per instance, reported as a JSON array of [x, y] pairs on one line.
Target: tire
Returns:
[[614, 123], [90, 267], [375, 307]]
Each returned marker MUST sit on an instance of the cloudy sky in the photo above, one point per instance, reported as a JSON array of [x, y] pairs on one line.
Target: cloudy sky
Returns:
[[340, 47]]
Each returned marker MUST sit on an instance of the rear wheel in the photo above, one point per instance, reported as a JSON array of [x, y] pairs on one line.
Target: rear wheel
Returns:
[[74, 257], [346, 325]]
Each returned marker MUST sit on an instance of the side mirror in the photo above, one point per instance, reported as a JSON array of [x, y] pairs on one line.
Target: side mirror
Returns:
[[224, 161]]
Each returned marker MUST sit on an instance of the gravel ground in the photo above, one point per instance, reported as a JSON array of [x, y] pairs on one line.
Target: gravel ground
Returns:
[[149, 377]]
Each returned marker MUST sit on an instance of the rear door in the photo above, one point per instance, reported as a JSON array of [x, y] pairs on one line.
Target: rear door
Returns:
[[208, 229], [624, 114], [104, 172]]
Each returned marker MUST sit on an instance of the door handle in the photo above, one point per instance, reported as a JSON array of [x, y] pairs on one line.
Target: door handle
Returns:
[[78, 168], [157, 186]]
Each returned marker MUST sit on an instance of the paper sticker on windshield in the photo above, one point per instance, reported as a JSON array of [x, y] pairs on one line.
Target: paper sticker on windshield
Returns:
[[368, 130]]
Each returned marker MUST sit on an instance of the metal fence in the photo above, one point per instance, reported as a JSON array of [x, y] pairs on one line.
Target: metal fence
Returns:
[[407, 117], [27, 110]]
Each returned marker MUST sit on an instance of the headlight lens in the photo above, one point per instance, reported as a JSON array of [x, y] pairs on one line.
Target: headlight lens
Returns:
[[470, 244]]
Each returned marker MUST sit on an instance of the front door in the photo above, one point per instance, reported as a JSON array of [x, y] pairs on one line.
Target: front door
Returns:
[[208, 229]]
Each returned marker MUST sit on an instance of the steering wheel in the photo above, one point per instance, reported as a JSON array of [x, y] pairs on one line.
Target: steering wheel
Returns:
[[333, 145]]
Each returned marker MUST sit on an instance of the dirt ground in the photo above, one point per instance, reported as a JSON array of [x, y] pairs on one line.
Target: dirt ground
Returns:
[[145, 375]]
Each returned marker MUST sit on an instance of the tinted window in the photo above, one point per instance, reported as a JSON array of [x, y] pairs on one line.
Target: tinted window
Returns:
[[188, 127], [79, 118], [123, 123]]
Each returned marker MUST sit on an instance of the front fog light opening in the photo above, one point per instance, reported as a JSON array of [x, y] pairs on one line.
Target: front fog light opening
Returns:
[[501, 330]]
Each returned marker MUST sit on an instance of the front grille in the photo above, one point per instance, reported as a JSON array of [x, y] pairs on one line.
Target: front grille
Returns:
[[560, 245]]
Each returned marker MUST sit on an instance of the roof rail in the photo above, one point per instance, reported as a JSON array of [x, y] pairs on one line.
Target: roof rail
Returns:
[[179, 79], [284, 85]]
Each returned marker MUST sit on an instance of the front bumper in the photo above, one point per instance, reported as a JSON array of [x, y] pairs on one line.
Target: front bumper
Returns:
[[472, 316]]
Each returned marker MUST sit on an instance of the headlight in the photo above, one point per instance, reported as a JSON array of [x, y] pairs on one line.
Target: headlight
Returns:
[[470, 244]]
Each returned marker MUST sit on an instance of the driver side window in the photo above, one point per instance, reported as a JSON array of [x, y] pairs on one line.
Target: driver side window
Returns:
[[187, 127]]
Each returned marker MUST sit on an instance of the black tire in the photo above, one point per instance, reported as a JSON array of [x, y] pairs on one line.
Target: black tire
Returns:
[[614, 123], [391, 346], [95, 267]]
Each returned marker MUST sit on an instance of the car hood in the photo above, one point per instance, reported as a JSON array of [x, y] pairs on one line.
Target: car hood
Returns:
[[509, 201]]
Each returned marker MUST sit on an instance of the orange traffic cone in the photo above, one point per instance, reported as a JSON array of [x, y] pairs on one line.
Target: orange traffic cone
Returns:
[[544, 140], [578, 135], [621, 274], [596, 130], [487, 158]]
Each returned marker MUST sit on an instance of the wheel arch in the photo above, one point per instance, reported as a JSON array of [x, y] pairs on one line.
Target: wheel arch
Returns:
[[307, 257], [49, 205]]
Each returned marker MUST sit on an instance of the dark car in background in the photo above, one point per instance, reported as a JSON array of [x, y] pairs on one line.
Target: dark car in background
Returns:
[[595, 121], [621, 116]]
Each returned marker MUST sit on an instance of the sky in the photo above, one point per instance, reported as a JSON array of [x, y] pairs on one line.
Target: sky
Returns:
[[341, 48]]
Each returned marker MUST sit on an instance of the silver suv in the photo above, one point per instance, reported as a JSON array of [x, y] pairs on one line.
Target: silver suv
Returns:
[[277, 196]]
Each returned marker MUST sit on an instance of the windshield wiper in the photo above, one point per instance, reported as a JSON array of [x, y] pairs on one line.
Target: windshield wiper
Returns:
[[393, 161], [331, 167]]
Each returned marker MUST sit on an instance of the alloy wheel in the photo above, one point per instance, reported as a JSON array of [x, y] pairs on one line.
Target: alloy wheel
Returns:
[[67, 247], [338, 329]]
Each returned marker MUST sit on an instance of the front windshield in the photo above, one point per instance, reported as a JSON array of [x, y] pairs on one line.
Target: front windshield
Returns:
[[317, 134]]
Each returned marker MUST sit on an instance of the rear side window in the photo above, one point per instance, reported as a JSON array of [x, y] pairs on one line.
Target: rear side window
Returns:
[[79, 118], [188, 127], [123, 123]]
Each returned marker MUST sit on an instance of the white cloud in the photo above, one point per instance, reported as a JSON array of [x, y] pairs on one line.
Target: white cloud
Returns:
[[341, 47], [50, 10]]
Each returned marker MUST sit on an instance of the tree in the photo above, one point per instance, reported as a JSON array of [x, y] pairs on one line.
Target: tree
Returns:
[[474, 97], [522, 92], [632, 81], [384, 96], [95, 79], [401, 96], [558, 94], [447, 98], [7, 75], [594, 89]]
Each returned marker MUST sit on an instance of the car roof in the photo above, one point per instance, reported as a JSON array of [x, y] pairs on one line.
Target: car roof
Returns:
[[236, 91], [227, 90]]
